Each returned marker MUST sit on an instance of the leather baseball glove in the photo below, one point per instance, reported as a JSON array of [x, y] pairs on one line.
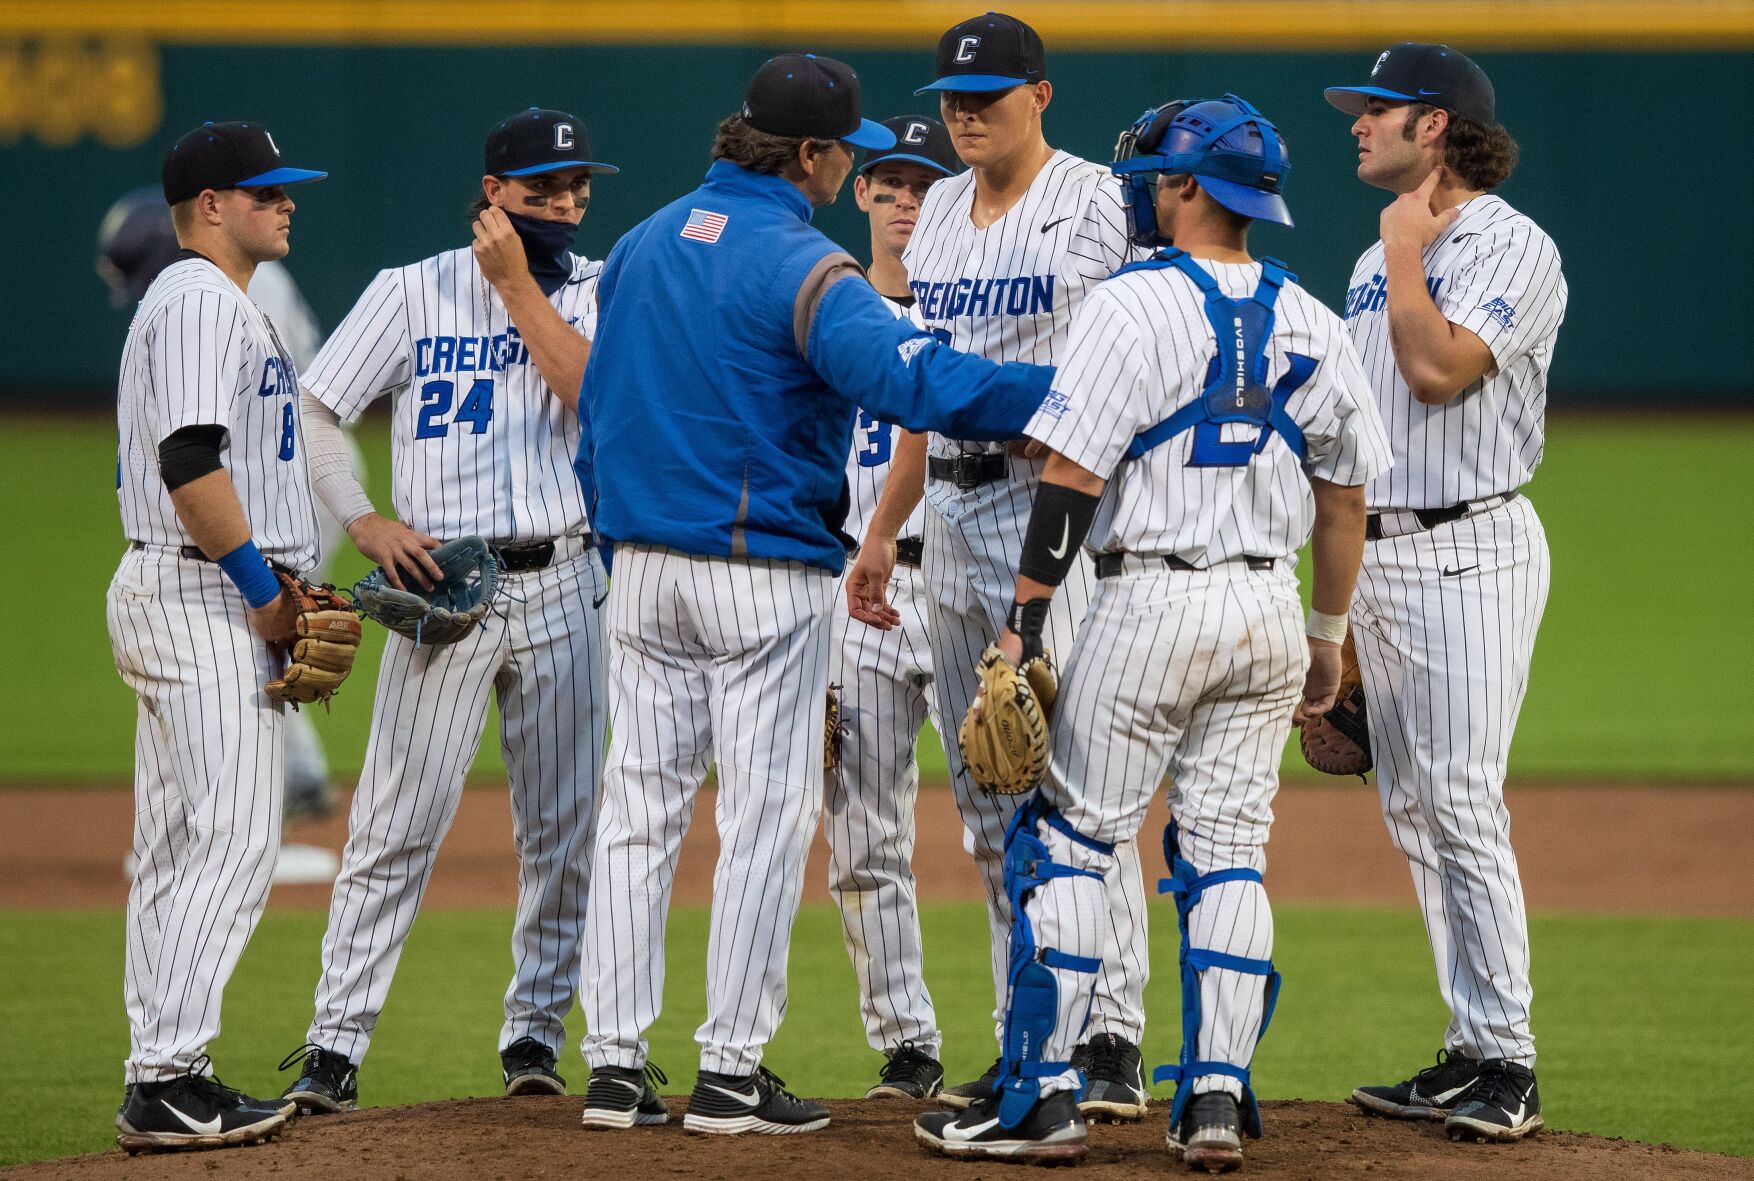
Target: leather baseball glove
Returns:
[[453, 608], [1338, 742], [1004, 736], [833, 732], [322, 656]]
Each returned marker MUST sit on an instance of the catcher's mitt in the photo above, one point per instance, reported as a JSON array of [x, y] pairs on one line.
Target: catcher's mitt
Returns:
[[322, 656], [453, 608], [1338, 742], [1004, 736], [833, 732]]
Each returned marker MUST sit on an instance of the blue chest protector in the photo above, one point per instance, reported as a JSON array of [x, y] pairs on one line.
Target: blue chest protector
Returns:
[[1236, 380]]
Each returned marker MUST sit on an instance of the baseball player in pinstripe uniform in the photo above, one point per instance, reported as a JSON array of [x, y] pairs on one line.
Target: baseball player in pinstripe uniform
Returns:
[[136, 241], [885, 676], [213, 487], [718, 409], [1206, 411], [1454, 312], [482, 350], [999, 262]]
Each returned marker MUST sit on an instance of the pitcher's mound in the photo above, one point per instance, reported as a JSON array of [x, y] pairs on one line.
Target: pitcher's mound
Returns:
[[489, 1139]]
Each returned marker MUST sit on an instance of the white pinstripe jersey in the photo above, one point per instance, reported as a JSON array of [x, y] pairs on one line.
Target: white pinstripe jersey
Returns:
[[1495, 273], [1009, 292], [1139, 350], [872, 455], [481, 445], [201, 353]]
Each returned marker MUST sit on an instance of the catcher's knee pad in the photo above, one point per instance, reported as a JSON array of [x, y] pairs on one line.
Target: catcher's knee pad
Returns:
[[1032, 1011], [1186, 884]]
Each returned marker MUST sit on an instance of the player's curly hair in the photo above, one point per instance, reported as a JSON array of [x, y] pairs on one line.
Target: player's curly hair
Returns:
[[759, 151], [1483, 155]]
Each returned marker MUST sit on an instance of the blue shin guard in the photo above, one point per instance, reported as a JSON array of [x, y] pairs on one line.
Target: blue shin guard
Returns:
[[1033, 1007], [1186, 885]]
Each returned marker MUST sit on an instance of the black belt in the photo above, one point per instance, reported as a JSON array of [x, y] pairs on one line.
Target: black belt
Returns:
[[194, 553], [529, 555], [1428, 518], [969, 471], [1109, 565], [910, 551]]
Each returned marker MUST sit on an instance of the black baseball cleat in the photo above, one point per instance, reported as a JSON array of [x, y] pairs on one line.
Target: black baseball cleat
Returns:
[[909, 1073], [967, 1094], [194, 1110], [618, 1097], [1210, 1135], [1431, 1094], [1115, 1074], [731, 1104], [1503, 1105], [327, 1082], [1053, 1133], [528, 1066]]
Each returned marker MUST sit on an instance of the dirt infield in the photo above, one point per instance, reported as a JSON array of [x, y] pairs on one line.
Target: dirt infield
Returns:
[[486, 1139], [1631, 849]]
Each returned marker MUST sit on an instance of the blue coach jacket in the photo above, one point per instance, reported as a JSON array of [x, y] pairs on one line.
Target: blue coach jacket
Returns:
[[733, 343]]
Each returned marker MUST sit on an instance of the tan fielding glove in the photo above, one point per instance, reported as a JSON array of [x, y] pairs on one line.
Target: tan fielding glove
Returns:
[[323, 655], [1004, 736], [1338, 742]]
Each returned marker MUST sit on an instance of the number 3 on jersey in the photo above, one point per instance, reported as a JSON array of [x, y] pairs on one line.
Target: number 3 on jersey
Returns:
[[435, 403], [874, 446]]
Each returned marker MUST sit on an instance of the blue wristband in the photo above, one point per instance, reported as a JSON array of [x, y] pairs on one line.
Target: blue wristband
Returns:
[[249, 571]]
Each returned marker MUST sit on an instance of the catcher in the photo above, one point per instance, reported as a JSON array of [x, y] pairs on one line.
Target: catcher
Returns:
[[1190, 474]]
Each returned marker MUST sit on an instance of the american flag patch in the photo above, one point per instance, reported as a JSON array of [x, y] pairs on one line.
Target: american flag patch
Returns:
[[703, 225]]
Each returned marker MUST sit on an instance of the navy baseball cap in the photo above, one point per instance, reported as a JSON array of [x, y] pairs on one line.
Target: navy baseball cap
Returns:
[[803, 96], [918, 140], [1413, 72], [135, 241], [537, 141], [226, 156], [987, 53]]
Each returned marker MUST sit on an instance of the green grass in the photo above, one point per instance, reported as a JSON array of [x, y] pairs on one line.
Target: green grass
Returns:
[[1640, 1021], [1651, 522]]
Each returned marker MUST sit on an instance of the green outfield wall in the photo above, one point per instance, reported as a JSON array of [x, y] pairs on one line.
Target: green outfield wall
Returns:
[[1639, 163]]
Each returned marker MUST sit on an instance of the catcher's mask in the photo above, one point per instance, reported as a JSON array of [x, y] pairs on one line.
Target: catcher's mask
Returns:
[[1233, 151]]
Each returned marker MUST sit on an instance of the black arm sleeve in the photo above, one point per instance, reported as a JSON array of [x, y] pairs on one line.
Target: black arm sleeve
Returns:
[[189, 453], [1057, 527]]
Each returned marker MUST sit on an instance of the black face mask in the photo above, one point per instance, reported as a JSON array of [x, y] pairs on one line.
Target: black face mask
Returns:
[[547, 248]]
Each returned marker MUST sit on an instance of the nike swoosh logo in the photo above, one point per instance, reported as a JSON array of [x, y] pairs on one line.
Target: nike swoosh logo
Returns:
[[1065, 536], [1451, 1093], [1459, 237], [752, 1098], [952, 1132], [1046, 226], [596, 603], [1448, 573], [205, 1129], [577, 281], [1424, 93], [636, 1088]]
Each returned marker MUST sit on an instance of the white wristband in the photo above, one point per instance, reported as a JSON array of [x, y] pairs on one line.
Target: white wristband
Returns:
[[1322, 626]]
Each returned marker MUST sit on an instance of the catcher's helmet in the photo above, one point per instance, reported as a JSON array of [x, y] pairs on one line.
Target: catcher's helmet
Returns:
[[134, 243], [1232, 150]]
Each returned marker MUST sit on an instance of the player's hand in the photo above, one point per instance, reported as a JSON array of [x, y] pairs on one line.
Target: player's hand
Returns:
[[1027, 448], [868, 584], [1410, 221], [1320, 684], [499, 252], [1011, 646], [401, 551], [277, 622]]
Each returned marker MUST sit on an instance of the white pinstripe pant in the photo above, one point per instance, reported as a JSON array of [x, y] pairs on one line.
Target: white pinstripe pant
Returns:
[[541, 651], [207, 795], [1445, 660], [971, 570], [710, 659], [868, 813], [1192, 674]]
